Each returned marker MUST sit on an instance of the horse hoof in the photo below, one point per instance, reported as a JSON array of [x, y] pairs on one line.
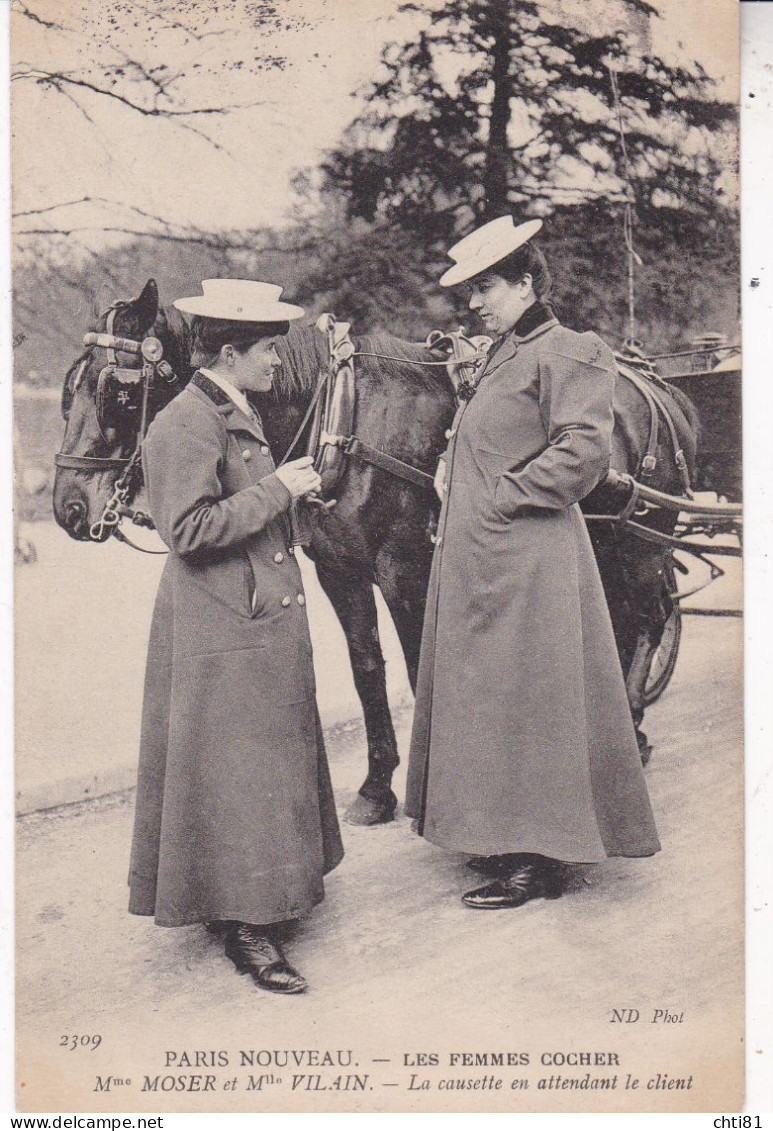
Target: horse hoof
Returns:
[[364, 811]]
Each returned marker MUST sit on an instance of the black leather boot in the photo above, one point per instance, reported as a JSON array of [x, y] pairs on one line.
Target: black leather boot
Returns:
[[536, 877], [253, 952], [498, 865]]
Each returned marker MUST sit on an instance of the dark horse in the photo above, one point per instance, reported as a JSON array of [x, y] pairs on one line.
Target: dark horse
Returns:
[[378, 531]]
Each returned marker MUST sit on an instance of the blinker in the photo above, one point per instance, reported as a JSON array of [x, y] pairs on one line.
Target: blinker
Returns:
[[119, 396]]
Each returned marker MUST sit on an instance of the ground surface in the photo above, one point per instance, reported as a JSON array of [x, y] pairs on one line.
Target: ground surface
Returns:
[[397, 966]]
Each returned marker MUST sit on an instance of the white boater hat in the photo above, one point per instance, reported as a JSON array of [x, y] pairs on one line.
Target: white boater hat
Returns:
[[486, 246], [240, 300]]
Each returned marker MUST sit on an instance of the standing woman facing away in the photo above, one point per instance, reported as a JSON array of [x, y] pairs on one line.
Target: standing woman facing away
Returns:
[[523, 752], [235, 823]]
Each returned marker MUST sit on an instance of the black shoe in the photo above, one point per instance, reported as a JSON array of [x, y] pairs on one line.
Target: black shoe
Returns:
[[252, 952], [218, 927], [541, 879], [497, 865]]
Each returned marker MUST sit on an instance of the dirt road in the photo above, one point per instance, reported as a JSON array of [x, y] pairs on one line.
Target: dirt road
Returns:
[[400, 971]]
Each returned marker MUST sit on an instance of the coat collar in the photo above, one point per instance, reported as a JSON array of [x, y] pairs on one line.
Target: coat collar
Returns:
[[233, 418], [535, 317]]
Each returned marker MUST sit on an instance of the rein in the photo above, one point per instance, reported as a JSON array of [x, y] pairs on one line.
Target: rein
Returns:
[[324, 378], [404, 360]]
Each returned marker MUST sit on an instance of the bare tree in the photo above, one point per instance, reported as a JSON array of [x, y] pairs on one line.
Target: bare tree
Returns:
[[184, 65]]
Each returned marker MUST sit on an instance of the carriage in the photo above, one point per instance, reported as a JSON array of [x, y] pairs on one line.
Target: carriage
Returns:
[[708, 372]]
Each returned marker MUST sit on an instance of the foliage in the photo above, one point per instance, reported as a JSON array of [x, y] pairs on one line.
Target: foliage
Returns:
[[492, 107], [687, 283], [488, 107]]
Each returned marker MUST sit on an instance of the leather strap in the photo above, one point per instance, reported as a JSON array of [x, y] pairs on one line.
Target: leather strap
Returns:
[[353, 446], [649, 459], [88, 463], [656, 403]]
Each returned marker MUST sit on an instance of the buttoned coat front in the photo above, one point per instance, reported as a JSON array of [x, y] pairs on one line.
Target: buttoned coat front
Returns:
[[522, 739], [235, 816]]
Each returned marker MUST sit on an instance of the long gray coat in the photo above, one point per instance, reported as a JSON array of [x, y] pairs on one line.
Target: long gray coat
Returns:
[[522, 737], [235, 816]]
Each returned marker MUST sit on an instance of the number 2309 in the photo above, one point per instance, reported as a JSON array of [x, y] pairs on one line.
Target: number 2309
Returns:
[[76, 1042]]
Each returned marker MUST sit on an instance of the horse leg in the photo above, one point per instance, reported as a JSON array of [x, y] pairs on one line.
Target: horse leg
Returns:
[[650, 636], [628, 582], [635, 682], [403, 582], [351, 595]]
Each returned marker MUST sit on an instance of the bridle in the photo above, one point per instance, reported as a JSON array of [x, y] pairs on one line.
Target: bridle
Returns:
[[122, 392], [331, 410]]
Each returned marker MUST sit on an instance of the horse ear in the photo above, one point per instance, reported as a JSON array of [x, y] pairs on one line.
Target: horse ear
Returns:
[[146, 304]]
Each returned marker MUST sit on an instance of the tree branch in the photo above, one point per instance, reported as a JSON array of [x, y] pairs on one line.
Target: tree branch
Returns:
[[169, 237], [23, 10], [170, 23], [81, 109], [57, 79], [93, 200]]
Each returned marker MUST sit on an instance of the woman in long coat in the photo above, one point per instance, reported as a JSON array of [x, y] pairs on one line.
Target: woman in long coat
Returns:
[[235, 823], [523, 750]]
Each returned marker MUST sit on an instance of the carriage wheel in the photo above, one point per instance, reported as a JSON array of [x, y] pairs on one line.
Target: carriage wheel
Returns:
[[665, 655]]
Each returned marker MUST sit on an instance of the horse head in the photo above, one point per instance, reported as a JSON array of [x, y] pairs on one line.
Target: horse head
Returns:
[[106, 407]]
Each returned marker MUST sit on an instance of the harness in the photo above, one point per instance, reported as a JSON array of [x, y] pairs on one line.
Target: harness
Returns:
[[331, 440], [641, 375]]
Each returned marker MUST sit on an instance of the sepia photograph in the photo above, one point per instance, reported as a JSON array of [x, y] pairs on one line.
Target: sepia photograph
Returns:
[[378, 534]]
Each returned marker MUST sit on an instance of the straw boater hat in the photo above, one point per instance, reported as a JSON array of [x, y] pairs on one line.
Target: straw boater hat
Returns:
[[240, 300], [486, 246]]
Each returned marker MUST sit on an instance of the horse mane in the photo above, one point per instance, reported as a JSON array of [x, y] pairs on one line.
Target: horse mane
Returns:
[[430, 376], [305, 350], [304, 354], [172, 327]]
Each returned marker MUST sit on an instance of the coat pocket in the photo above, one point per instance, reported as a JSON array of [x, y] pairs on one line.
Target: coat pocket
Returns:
[[492, 465], [252, 589], [496, 464], [225, 577]]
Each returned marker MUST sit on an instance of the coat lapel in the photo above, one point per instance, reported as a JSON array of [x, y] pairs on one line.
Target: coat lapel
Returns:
[[235, 421], [506, 350], [233, 418], [537, 331]]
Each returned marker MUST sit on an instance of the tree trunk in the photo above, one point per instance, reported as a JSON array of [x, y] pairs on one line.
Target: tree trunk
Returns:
[[496, 174]]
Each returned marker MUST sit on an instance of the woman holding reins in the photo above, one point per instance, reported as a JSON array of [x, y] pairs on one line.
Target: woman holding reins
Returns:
[[235, 823]]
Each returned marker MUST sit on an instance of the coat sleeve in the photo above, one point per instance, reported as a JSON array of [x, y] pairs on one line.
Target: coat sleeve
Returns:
[[182, 461], [576, 403]]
